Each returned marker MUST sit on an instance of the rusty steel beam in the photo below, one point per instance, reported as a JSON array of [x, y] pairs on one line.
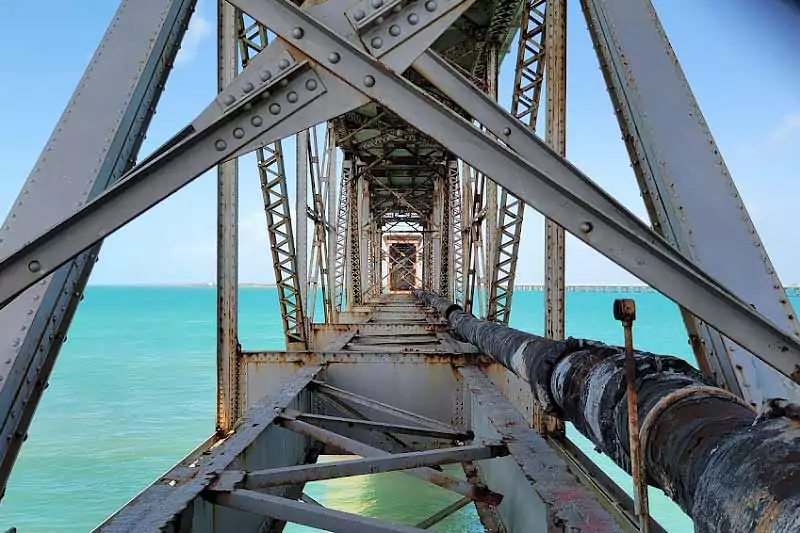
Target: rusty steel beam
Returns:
[[444, 513], [382, 407], [303, 513], [359, 448], [701, 444], [293, 475], [383, 426]]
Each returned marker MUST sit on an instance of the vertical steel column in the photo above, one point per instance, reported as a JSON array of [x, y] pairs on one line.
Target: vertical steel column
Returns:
[[490, 198], [556, 137], [318, 261], [365, 232], [457, 257], [301, 212], [427, 256], [272, 176], [353, 277], [688, 191], [445, 256], [330, 226], [475, 254], [227, 241], [528, 77], [341, 235]]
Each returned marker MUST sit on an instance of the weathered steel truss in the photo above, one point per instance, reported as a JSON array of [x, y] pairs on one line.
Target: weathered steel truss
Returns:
[[252, 39], [404, 218]]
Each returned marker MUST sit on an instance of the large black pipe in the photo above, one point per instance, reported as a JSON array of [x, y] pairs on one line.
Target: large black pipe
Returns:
[[703, 446]]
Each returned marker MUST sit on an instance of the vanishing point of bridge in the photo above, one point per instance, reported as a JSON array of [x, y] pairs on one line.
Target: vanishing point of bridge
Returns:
[[395, 265]]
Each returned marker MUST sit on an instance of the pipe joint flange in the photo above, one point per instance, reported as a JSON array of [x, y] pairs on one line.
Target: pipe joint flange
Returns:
[[676, 396]]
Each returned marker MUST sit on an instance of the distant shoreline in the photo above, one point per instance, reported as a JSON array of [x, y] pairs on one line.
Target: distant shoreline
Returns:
[[791, 290]]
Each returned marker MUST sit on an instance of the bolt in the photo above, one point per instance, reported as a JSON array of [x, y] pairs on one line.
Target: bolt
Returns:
[[220, 145], [247, 87], [292, 97], [506, 131], [311, 85], [413, 18], [275, 109], [283, 64], [394, 30], [430, 5], [334, 57], [34, 266], [397, 9], [297, 33], [586, 227], [359, 14], [369, 81], [238, 133], [256, 121], [377, 3], [377, 42], [229, 99], [379, 21], [266, 75]]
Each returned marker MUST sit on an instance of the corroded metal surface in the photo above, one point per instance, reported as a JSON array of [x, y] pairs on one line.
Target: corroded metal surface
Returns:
[[695, 437]]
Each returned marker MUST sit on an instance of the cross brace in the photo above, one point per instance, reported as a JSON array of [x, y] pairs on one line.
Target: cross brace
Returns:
[[541, 178]]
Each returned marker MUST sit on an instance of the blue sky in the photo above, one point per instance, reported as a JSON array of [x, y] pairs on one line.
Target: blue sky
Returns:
[[739, 60]]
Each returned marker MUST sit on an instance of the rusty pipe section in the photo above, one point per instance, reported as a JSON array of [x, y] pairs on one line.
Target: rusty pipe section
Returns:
[[701, 444]]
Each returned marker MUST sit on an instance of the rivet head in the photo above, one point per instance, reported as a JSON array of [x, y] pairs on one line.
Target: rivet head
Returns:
[[34, 266], [220, 145], [377, 3], [256, 121], [379, 21], [377, 42], [229, 99], [369, 81], [397, 9], [586, 227], [359, 14], [238, 133], [297, 33], [506, 131], [265, 95], [430, 5], [284, 82], [247, 87], [265, 75], [291, 97], [283, 64], [394, 30], [275, 109], [334, 57], [413, 18], [311, 85]]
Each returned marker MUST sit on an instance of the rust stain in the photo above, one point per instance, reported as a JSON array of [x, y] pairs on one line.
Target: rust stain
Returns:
[[765, 521]]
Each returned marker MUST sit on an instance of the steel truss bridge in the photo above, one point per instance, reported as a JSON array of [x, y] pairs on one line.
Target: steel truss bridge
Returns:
[[421, 180]]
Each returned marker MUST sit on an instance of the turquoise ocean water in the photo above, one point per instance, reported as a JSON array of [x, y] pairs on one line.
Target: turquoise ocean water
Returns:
[[133, 392]]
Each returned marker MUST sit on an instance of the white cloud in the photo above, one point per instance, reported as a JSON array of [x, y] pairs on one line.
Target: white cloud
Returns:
[[199, 28]]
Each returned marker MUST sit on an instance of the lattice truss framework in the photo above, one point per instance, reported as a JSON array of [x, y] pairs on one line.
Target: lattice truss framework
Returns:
[[399, 173]]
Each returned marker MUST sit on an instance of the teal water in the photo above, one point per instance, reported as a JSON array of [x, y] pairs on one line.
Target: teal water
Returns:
[[133, 392]]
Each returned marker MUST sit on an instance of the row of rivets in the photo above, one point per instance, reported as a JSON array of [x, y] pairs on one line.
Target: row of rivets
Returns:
[[360, 14], [265, 75], [394, 29], [238, 133]]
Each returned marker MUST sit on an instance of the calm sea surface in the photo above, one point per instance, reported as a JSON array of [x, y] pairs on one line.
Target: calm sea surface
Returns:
[[133, 392]]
